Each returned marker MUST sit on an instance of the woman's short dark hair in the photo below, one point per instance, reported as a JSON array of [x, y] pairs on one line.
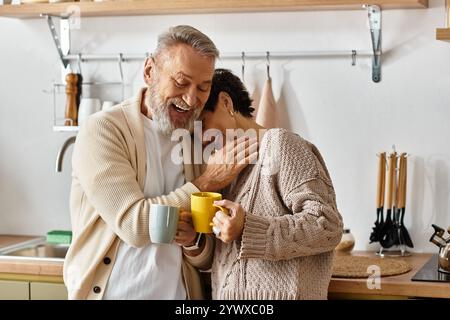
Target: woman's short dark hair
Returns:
[[224, 80]]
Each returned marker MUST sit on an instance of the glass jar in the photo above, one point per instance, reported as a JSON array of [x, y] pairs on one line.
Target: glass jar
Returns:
[[347, 242]]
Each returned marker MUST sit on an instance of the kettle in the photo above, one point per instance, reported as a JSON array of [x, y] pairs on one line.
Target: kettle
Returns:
[[444, 245]]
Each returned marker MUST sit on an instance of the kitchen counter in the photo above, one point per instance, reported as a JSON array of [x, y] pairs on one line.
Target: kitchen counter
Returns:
[[12, 268], [392, 287]]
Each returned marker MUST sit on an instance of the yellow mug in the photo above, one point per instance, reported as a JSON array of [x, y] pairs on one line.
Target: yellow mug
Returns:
[[203, 210]]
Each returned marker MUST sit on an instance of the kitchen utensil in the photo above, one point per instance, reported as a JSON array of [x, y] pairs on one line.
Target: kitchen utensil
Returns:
[[404, 234], [79, 88], [388, 231], [375, 235], [87, 107], [444, 248], [397, 210], [395, 231], [397, 203], [71, 115]]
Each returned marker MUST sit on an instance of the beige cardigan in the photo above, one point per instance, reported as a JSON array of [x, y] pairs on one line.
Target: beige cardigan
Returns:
[[291, 227], [107, 202]]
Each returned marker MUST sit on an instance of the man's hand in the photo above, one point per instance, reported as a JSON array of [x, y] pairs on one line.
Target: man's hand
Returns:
[[225, 164], [231, 226], [186, 234]]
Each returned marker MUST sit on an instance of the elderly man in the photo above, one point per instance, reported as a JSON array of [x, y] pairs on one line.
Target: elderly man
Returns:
[[122, 164]]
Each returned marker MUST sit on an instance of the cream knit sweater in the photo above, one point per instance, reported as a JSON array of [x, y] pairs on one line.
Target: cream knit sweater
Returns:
[[291, 227]]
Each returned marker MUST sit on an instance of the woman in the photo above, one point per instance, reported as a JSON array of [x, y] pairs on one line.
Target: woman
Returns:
[[277, 241]]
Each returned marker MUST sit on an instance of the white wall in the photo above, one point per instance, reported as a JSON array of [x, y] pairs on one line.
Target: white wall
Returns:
[[328, 101]]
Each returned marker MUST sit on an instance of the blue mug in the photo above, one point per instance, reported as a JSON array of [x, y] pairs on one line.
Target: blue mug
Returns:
[[163, 223]]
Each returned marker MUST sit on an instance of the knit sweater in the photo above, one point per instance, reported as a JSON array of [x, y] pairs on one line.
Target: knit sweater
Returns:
[[291, 226]]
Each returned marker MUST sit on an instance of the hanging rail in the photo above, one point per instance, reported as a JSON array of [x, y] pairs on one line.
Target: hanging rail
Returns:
[[234, 55], [374, 19]]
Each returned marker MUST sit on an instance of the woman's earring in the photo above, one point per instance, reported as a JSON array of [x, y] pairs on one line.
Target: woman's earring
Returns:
[[232, 113]]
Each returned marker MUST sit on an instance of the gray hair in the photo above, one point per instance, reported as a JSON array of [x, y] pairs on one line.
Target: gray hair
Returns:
[[184, 34]]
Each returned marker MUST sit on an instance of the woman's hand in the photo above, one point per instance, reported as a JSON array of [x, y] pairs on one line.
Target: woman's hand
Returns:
[[186, 234], [231, 226]]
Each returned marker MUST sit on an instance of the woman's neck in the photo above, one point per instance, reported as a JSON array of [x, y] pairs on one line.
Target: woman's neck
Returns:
[[249, 123]]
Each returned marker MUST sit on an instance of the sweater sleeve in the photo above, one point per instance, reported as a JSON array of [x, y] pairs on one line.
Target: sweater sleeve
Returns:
[[203, 261], [309, 222], [103, 167], [312, 228]]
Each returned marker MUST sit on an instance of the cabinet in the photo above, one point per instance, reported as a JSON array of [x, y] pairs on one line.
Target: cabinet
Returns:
[[150, 7], [31, 290], [14, 290], [47, 291]]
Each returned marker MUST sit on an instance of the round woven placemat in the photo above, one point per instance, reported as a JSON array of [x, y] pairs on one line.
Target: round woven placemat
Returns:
[[348, 266]]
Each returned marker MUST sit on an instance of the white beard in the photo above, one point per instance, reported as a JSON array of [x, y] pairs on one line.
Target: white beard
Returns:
[[160, 111]]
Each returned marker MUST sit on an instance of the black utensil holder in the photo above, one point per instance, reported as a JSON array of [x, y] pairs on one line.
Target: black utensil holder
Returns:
[[399, 249]]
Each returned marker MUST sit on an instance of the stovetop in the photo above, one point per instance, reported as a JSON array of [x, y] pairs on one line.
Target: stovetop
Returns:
[[429, 272]]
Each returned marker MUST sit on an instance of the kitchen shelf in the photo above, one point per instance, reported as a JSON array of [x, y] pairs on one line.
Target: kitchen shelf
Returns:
[[153, 7], [444, 33]]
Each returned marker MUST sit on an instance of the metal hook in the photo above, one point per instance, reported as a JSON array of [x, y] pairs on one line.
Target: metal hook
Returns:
[[121, 75], [79, 60], [243, 65], [120, 66], [353, 57], [268, 64]]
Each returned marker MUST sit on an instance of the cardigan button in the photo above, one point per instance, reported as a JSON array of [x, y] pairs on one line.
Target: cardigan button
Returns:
[[97, 289], [106, 260]]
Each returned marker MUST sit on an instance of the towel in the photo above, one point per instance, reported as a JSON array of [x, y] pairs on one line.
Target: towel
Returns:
[[267, 111]]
